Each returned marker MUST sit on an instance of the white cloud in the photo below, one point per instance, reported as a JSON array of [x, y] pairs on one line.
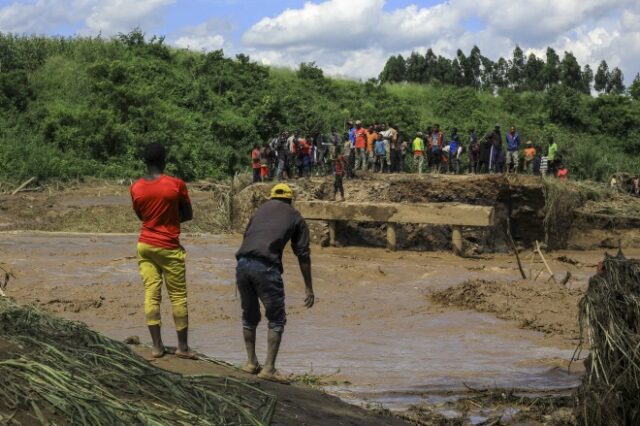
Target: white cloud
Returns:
[[206, 36], [356, 37], [92, 16], [114, 16], [39, 16], [539, 21]]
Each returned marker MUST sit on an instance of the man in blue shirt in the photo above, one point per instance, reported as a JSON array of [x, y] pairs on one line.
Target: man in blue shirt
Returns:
[[351, 158], [513, 145]]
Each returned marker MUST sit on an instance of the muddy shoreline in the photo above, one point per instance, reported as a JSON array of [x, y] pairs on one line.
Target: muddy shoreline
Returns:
[[374, 312]]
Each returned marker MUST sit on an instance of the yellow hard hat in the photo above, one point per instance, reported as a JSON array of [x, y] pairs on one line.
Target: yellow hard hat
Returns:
[[282, 190]]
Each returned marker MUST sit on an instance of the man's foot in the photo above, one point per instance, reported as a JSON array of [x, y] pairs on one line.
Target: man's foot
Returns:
[[188, 354], [273, 376], [252, 368], [158, 352]]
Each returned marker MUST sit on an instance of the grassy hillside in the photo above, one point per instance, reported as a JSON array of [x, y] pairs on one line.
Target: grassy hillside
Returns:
[[79, 107]]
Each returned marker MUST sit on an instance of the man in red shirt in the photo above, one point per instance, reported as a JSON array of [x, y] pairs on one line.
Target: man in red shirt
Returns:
[[162, 202], [361, 145], [339, 172], [255, 163]]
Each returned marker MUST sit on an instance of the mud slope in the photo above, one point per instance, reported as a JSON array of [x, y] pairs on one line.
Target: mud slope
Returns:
[[549, 308]]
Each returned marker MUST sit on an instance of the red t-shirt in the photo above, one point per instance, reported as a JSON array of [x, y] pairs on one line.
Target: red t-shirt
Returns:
[[340, 165], [255, 158], [158, 202], [361, 137]]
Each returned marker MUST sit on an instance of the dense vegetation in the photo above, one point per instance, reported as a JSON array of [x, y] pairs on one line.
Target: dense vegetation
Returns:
[[74, 107], [519, 73]]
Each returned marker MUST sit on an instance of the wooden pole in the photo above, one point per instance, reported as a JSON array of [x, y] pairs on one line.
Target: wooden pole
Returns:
[[391, 236], [21, 187], [332, 233], [456, 240], [545, 262], [515, 249]]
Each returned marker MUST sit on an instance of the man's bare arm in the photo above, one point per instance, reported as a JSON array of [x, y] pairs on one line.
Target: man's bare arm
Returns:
[[305, 269]]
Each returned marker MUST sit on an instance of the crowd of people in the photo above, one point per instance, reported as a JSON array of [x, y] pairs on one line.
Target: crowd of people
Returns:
[[382, 148]]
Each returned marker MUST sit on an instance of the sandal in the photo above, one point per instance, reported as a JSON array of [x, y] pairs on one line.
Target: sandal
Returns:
[[159, 354], [273, 377], [186, 355], [251, 369]]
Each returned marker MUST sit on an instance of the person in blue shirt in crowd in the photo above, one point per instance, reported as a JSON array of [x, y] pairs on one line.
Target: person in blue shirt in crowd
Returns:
[[513, 145], [380, 151], [454, 158]]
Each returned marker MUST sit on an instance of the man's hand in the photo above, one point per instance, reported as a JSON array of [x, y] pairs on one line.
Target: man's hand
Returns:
[[310, 299]]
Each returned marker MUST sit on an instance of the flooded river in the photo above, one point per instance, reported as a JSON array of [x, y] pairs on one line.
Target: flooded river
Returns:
[[372, 326]]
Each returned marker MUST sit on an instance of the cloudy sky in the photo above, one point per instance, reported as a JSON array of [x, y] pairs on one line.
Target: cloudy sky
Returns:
[[352, 37]]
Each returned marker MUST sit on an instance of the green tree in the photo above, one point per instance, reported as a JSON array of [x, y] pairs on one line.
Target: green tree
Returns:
[[570, 72], [310, 71], [566, 106], [601, 81], [416, 68], [500, 73], [533, 73], [634, 89], [616, 82], [551, 73], [587, 79], [516, 72], [394, 71]]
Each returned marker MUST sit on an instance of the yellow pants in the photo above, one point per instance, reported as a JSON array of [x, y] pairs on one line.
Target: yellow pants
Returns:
[[155, 264]]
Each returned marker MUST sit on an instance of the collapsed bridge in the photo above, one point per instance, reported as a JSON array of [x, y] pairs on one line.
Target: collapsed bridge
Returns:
[[455, 215]]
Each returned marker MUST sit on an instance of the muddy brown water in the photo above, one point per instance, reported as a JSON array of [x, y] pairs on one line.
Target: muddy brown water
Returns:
[[372, 326]]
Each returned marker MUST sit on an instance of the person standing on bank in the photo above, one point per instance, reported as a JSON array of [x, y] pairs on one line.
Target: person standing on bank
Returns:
[[162, 202], [259, 274]]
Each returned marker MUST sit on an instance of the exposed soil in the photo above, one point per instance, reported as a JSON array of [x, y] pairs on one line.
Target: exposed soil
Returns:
[[373, 330], [97, 207], [546, 307]]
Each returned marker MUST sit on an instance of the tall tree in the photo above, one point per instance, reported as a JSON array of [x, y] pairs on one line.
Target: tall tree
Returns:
[[587, 79], [487, 73], [431, 65], [416, 67], [551, 73], [500, 71], [634, 89], [457, 73], [570, 72], [602, 77], [516, 69], [533, 73], [394, 71], [474, 64], [616, 82]]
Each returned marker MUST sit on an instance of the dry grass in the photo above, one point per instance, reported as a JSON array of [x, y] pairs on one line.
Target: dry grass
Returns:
[[610, 326]]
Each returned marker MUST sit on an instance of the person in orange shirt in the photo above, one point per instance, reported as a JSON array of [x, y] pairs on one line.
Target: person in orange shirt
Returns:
[[372, 136], [529, 157], [361, 144], [255, 163], [162, 203]]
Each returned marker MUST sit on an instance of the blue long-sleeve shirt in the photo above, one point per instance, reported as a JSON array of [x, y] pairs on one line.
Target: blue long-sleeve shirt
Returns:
[[352, 136], [513, 142]]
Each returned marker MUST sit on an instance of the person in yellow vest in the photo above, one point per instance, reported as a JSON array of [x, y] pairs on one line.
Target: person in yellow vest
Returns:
[[418, 151]]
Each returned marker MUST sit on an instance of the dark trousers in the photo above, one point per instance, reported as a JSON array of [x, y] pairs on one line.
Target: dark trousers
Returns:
[[259, 281], [256, 175], [337, 186]]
